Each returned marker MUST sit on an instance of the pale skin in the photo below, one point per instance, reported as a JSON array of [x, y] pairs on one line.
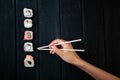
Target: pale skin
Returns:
[[72, 58]]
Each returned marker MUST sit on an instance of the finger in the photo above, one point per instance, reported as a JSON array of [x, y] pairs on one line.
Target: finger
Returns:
[[56, 50], [53, 52], [50, 51]]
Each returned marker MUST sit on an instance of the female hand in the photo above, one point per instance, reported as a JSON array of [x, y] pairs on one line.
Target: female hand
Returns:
[[68, 56]]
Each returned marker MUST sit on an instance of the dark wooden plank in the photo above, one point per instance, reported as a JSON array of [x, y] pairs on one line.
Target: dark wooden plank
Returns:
[[7, 40], [112, 17], [71, 28], [95, 32], [24, 73], [48, 10]]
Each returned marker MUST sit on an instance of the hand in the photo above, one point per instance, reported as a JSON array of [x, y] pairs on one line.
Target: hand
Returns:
[[68, 56], [73, 58]]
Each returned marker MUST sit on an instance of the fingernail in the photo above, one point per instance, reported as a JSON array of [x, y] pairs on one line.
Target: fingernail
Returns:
[[52, 52]]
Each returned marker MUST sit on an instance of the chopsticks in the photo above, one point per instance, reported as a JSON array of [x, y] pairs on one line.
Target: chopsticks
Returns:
[[71, 41], [80, 50], [61, 43]]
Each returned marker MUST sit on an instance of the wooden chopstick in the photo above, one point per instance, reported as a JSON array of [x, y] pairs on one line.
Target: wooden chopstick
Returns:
[[39, 48], [79, 50]]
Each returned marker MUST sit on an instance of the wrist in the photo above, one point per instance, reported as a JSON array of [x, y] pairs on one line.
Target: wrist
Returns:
[[79, 62]]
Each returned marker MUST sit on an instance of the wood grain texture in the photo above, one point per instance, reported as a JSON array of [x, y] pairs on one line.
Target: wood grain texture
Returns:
[[7, 40], [94, 21]]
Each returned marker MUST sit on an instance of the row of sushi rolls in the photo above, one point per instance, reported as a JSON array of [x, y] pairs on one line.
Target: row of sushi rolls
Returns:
[[28, 36]]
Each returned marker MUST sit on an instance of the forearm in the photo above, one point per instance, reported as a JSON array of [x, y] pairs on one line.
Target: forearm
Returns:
[[95, 72]]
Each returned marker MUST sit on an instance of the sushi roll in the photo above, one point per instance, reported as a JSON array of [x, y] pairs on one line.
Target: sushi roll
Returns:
[[28, 35], [29, 61], [27, 12], [28, 47], [28, 23]]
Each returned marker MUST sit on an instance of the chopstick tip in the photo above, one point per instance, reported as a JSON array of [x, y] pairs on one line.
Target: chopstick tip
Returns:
[[38, 48]]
